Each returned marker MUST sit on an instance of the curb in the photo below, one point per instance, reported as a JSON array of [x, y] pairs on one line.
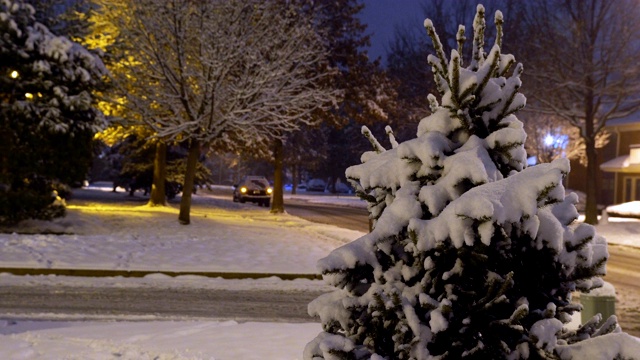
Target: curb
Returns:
[[142, 273]]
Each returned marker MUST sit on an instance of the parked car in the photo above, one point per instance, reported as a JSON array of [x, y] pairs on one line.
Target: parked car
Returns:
[[300, 187], [316, 185], [254, 189], [343, 188]]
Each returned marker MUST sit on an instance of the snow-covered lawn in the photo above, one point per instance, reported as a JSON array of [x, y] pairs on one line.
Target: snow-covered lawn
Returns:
[[159, 340], [223, 237]]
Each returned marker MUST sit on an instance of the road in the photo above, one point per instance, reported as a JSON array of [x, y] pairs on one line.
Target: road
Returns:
[[346, 217], [623, 271], [115, 302]]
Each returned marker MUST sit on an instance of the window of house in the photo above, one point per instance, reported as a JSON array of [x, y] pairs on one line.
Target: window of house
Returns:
[[632, 188], [627, 189]]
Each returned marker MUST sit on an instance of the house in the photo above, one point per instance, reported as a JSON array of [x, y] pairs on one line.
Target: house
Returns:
[[625, 166]]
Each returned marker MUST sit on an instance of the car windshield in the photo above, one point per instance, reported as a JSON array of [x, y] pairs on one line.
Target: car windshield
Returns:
[[260, 183]]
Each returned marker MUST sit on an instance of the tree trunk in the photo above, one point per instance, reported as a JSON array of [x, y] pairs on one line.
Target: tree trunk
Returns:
[[295, 175], [158, 195], [189, 176], [331, 185], [277, 202], [591, 209]]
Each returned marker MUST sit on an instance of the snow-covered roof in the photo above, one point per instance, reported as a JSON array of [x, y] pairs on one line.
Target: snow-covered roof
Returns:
[[632, 120], [620, 164]]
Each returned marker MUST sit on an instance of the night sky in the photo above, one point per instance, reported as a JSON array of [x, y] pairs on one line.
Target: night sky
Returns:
[[381, 16]]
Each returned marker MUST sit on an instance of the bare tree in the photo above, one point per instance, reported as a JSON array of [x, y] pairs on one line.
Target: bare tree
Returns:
[[549, 137], [223, 75], [585, 69]]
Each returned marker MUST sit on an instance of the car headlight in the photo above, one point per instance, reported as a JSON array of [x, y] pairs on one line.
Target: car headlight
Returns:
[[243, 190], [269, 190]]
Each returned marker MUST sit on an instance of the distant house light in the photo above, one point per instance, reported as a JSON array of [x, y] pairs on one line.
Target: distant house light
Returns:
[[14, 74], [28, 96], [634, 154]]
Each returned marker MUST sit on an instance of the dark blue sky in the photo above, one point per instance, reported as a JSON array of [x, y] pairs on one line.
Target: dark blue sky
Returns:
[[381, 17]]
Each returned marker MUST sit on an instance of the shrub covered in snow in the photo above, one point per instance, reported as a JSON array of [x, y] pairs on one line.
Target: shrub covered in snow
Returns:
[[473, 255]]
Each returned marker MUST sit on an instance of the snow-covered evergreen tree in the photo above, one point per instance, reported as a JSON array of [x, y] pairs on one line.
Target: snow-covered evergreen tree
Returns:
[[47, 78], [473, 255], [47, 112]]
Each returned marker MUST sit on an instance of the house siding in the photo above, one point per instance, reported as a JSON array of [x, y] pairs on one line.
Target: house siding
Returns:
[[627, 139], [624, 135]]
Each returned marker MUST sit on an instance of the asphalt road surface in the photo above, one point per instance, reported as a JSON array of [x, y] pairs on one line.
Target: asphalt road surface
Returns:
[[623, 271], [113, 302], [346, 217]]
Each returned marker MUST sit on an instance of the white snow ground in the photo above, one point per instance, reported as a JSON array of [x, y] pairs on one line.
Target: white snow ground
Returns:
[[223, 236]]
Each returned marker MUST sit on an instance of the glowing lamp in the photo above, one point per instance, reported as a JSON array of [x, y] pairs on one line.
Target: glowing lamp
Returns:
[[549, 140]]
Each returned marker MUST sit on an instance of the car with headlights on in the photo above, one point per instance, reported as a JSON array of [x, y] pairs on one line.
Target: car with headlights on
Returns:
[[254, 189]]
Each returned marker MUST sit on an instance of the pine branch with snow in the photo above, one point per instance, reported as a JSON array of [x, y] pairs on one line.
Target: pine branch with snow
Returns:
[[48, 79], [473, 255]]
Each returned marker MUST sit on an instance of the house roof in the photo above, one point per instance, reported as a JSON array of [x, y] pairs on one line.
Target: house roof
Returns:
[[620, 164], [631, 122]]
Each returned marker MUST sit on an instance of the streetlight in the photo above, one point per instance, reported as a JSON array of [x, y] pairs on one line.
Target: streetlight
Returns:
[[549, 140], [14, 74]]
